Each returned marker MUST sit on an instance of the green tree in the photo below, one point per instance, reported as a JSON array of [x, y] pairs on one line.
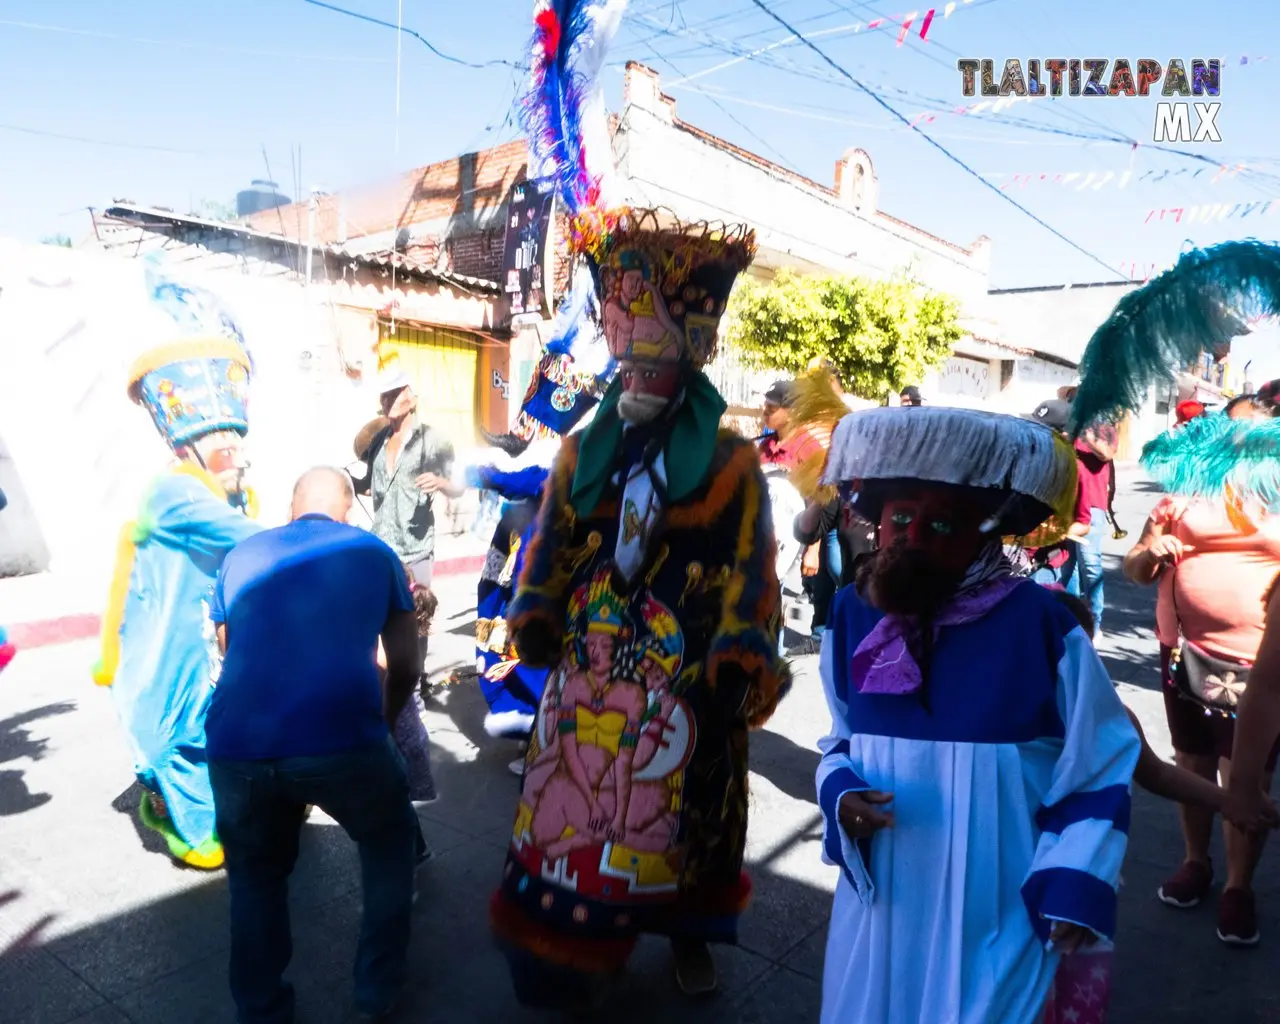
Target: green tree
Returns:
[[880, 335], [59, 240]]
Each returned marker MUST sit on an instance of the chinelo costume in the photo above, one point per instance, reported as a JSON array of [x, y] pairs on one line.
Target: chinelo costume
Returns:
[[990, 721], [649, 591], [159, 650]]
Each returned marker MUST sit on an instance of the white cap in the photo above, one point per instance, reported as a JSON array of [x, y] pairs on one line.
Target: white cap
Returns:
[[393, 380]]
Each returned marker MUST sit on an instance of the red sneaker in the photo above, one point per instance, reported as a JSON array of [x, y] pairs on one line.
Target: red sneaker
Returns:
[[1238, 919], [1188, 885]]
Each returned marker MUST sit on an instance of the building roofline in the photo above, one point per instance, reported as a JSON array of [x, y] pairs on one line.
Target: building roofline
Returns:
[[151, 217], [785, 172], [1061, 287]]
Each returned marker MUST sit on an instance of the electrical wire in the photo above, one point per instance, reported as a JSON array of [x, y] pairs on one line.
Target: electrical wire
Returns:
[[408, 31], [939, 147], [188, 45], [101, 142]]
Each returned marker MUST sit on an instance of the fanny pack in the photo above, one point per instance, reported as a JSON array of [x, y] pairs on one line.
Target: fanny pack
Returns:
[[1216, 683]]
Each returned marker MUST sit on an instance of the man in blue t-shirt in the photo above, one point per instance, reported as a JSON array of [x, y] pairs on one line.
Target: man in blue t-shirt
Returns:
[[298, 718]]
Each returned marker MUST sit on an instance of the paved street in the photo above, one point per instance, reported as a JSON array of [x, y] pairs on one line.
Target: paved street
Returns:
[[116, 933]]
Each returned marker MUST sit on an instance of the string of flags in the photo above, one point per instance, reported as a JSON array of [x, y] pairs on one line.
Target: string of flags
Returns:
[[1082, 180], [1203, 213]]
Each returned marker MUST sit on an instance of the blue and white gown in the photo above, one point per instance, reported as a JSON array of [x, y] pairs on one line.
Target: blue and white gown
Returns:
[[1011, 807]]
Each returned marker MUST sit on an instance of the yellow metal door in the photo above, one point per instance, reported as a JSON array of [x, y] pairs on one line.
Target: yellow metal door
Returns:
[[442, 365]]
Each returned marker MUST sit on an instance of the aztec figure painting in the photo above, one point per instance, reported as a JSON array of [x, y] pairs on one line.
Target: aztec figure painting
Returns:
[[604, 776]]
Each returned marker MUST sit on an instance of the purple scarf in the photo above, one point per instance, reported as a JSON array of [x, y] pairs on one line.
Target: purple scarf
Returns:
[[883, 662]]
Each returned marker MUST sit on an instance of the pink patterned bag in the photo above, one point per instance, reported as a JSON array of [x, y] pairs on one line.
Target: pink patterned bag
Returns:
[[1081, 988]]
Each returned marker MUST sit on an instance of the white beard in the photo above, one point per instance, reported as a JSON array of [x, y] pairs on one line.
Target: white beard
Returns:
[[641, 409]]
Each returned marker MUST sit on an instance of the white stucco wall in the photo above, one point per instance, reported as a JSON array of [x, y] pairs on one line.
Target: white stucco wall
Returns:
[[71, 323]]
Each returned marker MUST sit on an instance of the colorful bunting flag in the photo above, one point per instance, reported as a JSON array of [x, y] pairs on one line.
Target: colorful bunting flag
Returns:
[[1203, 213]]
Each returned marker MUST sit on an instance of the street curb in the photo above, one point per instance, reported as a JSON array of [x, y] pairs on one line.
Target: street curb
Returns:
[[68, 629]]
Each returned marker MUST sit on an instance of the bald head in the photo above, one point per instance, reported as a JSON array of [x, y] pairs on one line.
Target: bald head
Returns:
[[323, 491]]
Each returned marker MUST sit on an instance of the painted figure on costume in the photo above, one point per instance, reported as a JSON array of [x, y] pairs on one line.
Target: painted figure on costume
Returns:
[[650, 590], [159, 654], [636, 315]]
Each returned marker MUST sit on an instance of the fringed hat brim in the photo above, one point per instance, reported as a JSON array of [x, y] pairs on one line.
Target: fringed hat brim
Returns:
[[1028, 470]]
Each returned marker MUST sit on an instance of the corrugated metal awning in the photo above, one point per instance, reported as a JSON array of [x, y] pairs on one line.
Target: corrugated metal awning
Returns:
[[977, 348]]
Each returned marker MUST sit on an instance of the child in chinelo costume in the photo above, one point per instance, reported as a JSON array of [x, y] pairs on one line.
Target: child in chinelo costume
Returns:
[[650, 592], [159, 654], [975, 782]]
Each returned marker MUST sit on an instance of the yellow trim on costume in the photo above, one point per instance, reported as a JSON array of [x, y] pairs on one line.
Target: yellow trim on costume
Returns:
[[104, 672], [603, 730], [181, 351], [647, 868]]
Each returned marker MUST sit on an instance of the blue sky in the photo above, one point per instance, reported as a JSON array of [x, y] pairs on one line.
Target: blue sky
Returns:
[[218, 81]]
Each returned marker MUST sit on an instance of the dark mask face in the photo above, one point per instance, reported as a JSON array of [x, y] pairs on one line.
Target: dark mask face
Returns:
[[928, 540]]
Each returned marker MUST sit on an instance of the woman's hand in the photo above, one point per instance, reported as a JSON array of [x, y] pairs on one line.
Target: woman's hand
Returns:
[[859, 817], [1167, 549]]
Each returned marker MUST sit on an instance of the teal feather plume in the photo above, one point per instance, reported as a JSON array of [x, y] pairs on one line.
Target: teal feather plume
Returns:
[[1203, 301], [1216, 457]]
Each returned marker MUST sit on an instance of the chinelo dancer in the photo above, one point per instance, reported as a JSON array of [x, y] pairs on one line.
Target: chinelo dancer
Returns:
[[159, 650], [649, 591], [975, 781]]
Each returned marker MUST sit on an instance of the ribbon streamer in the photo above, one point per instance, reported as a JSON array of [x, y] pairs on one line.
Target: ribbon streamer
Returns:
[[1203, 213]]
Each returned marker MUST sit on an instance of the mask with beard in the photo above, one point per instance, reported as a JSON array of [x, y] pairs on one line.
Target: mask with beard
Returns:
[[901, 580], [639, 409]]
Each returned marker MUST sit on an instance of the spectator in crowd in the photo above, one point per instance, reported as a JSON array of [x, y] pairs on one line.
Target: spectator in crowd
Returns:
[[1187, 411], [910, 396], [412, 463], [1095, 461], [1213, 578], [298, 718], [1054, 563]]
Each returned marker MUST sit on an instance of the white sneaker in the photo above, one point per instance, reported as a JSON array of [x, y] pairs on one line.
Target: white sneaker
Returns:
[[516, 767]]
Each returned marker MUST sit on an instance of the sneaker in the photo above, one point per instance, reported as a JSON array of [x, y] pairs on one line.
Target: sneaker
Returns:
[[695, 969], [1188, 885], [1238, 919], [516, 767]]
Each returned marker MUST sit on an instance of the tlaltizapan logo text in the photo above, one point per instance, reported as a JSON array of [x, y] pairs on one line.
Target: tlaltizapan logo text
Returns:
[[1187, 119]]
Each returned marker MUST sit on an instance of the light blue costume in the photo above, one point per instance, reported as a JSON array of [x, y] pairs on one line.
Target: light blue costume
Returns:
[[160, 655]]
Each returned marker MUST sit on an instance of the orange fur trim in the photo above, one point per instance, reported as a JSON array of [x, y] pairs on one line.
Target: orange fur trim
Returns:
[[722, 490], [589, 954]]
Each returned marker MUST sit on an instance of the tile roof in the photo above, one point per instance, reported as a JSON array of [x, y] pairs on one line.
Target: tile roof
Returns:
[[154, 217]]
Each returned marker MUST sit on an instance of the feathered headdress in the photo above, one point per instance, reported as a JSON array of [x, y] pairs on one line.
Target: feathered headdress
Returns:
[[564, 117], [1236, 462], [816, 409], [1199, 305]]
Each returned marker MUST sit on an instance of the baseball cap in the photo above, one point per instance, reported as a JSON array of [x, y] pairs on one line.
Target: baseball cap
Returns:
[[912, 394], [1189, 410], [1054, 414], [781, 392]]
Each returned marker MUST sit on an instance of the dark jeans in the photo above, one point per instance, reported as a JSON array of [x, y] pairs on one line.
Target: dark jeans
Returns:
[[260, 806]]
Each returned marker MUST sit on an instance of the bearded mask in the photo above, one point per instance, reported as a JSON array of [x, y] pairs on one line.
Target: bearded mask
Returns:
[[648, 389]]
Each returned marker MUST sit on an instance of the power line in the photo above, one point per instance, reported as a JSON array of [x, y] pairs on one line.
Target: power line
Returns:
[[408, 31], [188, 45], [100, 142], [937, 145]]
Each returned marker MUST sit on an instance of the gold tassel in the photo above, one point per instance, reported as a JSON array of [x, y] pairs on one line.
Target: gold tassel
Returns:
[[817, 408], [1054, 529]]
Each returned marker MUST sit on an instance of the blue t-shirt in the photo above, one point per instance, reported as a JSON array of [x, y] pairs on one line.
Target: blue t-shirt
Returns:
[[304, 605]]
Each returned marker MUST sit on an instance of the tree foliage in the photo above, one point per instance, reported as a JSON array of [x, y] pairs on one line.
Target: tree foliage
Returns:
[[214, 209], [879, 335], [62, 241]]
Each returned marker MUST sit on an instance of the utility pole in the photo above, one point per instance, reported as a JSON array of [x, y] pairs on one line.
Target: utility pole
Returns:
[[311, 230]]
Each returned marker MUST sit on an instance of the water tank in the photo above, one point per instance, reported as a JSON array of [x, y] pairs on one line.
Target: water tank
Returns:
[[260, 195]]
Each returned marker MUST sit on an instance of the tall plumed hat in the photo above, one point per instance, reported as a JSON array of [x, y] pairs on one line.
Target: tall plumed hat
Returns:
[[656, 288], [1025, 471], [196, 382], [1209, 297]]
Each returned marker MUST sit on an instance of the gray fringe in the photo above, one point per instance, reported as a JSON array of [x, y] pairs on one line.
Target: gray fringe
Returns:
[[964, 447]]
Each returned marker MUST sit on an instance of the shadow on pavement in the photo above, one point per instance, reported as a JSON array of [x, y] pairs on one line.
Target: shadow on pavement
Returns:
[[17, 743]]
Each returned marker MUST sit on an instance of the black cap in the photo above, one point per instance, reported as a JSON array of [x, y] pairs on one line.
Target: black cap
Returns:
[[1054, 414], [783, 393], [912, 394]]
